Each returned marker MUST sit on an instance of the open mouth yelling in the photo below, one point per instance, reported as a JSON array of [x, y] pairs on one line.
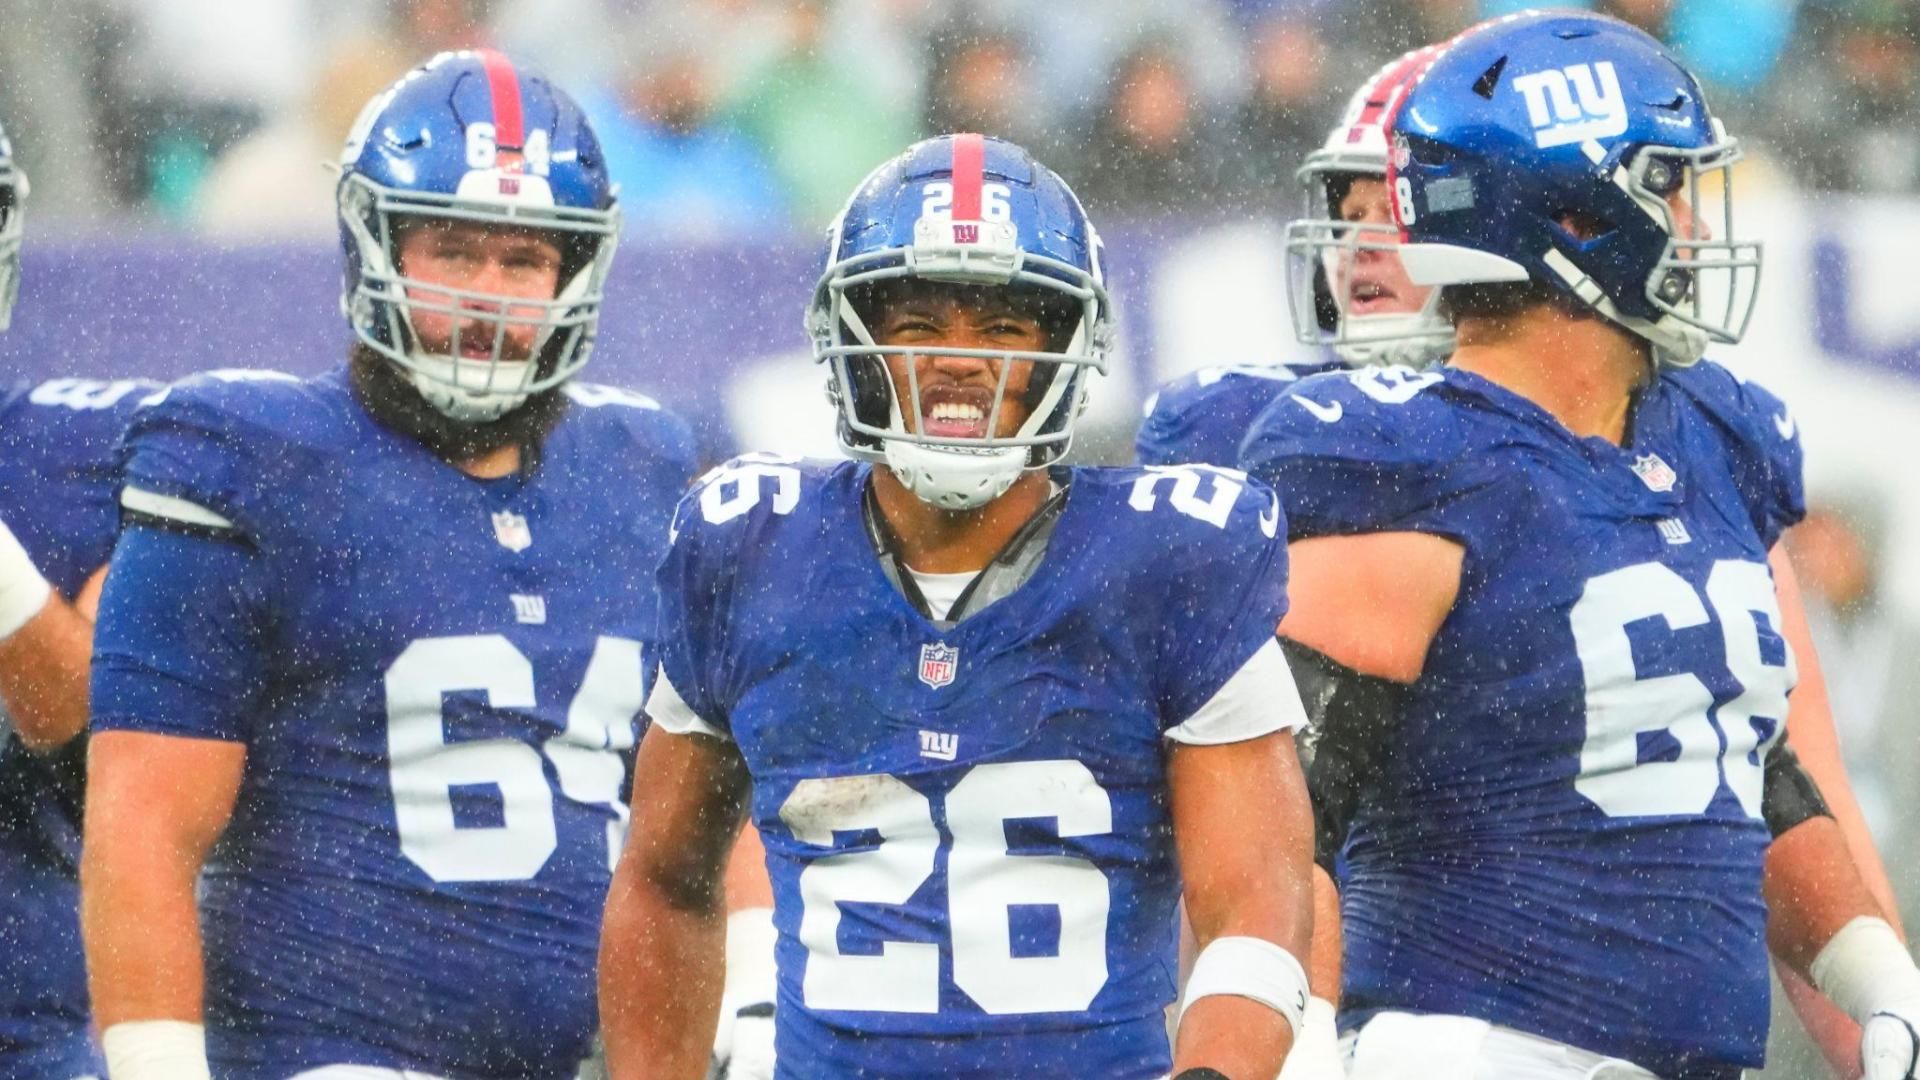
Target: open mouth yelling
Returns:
[[955, 412], [1372, 298]]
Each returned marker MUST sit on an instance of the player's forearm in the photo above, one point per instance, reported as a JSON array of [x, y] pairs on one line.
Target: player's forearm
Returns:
[[43, 676], [1811, 733], [1812, 890], [662, 963], [141, 925], [1234, 1035], [1323, 955]]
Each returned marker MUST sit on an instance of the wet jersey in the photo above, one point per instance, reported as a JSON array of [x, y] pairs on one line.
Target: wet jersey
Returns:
[[1201, 417], [437, 679], [967, 829], [1566, 836], [57, 464]]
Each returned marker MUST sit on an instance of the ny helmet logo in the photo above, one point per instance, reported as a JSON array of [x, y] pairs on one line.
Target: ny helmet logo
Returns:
[[1577, 103]]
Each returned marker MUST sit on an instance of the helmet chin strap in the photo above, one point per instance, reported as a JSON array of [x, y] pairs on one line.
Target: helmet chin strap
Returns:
[[1402, 338], [953, 478], [438, 380]]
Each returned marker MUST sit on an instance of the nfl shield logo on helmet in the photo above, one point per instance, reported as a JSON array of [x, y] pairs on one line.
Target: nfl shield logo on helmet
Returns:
[[938, 663], [511, 530], [1655, 473]]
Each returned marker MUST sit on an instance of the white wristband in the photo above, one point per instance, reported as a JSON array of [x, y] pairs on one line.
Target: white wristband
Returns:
[[23, 592], [156, 1050], [1250, 967], [751, 977], [1865, 968]]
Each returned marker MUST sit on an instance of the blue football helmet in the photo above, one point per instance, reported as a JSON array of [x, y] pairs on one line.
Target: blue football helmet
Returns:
[[13, 197], [972, 211], [468, 136], [1572, 149]]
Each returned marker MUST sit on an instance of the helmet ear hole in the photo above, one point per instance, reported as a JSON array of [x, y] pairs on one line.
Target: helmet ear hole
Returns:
[[872, 390], [1583, 226]]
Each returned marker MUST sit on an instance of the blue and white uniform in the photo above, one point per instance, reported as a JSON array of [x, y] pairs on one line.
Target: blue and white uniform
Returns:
[[1201, 417], [58, 444], [1566, 835], [437, 680], [967, 825]]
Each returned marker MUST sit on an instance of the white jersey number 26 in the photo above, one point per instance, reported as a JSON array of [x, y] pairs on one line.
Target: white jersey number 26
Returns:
[[426, 767], [984, 881]]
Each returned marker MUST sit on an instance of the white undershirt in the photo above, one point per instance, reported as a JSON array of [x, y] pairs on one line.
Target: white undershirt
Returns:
[[941, 591]]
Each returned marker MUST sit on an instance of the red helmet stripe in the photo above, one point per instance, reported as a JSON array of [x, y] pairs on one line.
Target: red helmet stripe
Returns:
[[969, 174], [504, 85]]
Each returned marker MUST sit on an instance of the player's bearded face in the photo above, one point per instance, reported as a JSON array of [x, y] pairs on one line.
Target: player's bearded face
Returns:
[[1370, 281], [956, 393], [505, 264]]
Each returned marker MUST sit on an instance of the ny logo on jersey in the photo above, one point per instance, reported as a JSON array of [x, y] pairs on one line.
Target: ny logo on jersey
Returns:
[[511, 530], [939, 745], [531, 610], [1573, 104], [938, 663], [1655, 473], [1674, 531]]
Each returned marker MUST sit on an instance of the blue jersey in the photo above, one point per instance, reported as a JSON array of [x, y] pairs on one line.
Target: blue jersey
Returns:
[[437, 679], [1201, 417], [1566, 836], [967, 829], [57, 463]]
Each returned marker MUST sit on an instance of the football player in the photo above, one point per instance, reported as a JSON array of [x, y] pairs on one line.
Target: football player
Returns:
[[368, 665], [1551, 638], [992, 717], [1348, 290], [57, 523]]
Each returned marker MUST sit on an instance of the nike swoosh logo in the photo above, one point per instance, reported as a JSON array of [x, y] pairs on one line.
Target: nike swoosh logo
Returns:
[[1783, 423], [1270, 519], [1326, 413]]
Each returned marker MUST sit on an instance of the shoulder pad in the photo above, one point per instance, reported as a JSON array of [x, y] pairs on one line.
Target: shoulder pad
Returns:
[[1761, 438], [753, 488], [1202, 416], [248, 401], [634, 427], [74, 421], [218, 440], [1189, 505], [1356, 451]]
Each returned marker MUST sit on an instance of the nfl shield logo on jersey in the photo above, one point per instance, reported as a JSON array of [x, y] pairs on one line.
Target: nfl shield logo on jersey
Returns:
[[1656, 474], [938, 663], [511, 530]]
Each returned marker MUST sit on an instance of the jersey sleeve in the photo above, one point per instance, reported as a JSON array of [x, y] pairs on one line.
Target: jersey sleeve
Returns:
[[1220, 675], [653, 433], [695, 582], [177, 649], [1763, 445], [1347, 458], [1199, 419], [59, 471], [176, 646], [1174, 433], [207, 454]]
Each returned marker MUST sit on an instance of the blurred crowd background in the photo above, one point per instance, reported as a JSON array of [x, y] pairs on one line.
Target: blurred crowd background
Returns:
[[728, 116]]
